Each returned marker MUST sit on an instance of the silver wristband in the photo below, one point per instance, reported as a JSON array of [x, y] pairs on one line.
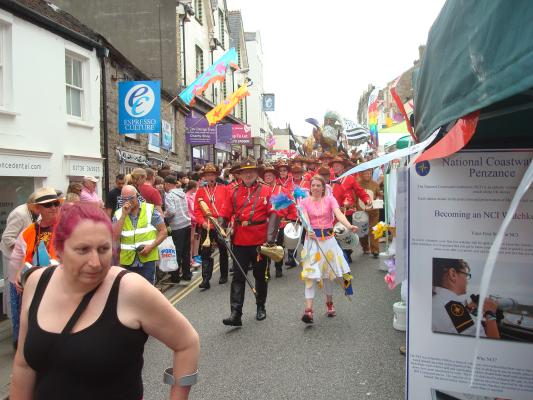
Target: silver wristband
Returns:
[[184, 381]]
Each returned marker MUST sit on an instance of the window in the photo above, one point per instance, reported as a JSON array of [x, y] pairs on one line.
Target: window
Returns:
[[221, 27], [74, 85], [241, 110], [224, 89], [5, 66], [198, 10], [199, 61]]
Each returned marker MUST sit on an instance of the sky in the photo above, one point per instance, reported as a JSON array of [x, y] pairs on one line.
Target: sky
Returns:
[[321, 55]]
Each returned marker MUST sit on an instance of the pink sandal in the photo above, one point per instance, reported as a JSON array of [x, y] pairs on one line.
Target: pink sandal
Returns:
[[330, 309]]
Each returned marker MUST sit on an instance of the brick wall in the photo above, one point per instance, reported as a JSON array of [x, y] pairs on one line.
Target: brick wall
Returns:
[[117, 71]]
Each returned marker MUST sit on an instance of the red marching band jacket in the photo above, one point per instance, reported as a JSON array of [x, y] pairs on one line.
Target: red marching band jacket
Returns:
[[214, 198], [249, 208], [348, 189]]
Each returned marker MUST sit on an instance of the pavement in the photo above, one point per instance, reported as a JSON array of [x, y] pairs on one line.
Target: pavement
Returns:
[[352, 356]]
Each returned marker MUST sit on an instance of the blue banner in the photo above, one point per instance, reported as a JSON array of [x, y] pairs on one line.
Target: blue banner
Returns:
[[139, 107]]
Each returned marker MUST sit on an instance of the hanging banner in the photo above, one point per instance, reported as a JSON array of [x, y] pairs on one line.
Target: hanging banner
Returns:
[[216, 72], [166, 135], [224, 133], [139, 109], [269, 102], [461, 202], [224, 108], [242, 134], [198, 132]]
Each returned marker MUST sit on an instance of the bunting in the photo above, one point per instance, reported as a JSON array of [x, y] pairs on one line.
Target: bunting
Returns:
[[224, 108], [216, 72]]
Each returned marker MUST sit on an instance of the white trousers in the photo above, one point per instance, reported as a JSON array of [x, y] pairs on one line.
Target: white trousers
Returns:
[[328, 288]]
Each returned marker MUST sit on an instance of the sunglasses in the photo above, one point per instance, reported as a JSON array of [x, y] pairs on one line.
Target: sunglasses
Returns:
[[52, 204], [129, 198]]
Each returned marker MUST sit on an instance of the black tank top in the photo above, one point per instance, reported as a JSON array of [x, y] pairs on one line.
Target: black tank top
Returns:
[[103, 361]]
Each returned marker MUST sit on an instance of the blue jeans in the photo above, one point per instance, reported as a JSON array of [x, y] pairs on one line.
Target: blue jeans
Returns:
[[147, 270], [16, 303]]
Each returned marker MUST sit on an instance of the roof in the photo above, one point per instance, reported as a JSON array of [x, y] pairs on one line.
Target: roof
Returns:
[[479, 56], [234, 27], [46, 14]]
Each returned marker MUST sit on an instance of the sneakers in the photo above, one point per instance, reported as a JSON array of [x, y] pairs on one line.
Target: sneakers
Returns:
[[308, 316], [330, 309]]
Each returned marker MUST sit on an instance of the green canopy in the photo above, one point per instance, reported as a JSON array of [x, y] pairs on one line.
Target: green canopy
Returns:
[[479, 56]]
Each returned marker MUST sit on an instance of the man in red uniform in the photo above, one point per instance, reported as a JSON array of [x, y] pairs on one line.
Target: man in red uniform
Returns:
[[297, 176], [287, 214], [346, 191], [254, 224], [284, 177], [214, 196], [312, 165]]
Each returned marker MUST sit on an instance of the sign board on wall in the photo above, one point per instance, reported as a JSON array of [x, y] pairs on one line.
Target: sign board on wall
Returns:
[[198, 132], [460, 203], [242, 134], [21, 165], [139, 109], [78, 166], [166, 135]]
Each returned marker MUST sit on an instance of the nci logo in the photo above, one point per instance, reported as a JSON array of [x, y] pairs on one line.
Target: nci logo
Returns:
[[422, 168], [139, 100]]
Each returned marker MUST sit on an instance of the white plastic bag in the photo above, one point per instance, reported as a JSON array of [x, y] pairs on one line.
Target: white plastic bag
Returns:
[[167, 256]]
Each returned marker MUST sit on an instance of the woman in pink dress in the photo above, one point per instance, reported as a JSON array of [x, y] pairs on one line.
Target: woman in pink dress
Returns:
[[322, 258]]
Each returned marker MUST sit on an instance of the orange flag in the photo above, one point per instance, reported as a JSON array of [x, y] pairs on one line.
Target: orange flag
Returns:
[[224, 108]]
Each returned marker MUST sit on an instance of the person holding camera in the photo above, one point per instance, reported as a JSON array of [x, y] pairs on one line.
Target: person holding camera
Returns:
[[140, 229]]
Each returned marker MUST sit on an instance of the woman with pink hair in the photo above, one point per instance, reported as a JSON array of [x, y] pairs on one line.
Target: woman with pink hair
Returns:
[[84, 323]]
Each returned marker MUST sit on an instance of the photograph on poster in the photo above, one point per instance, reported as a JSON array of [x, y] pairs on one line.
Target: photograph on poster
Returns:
[[447, 395], [508, 310]]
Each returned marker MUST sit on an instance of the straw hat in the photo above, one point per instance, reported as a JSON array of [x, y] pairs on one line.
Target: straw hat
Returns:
[[269, 168], [343, 161], [209, 168], [45, 195]]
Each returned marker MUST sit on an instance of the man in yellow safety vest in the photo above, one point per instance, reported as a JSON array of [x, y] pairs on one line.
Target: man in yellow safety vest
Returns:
[[140, 229]]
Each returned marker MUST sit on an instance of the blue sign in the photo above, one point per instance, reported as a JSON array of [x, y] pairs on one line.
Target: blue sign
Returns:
[[269, 102], [422, 168], [166, 135], [139, 109]]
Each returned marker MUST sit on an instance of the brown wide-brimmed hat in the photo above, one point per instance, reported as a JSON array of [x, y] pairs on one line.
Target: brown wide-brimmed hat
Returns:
[[282, 163], [268, 168], [248, 164], [209, 168], [345, 162], [297, 169], [325, 155], [323, 170], [45, 195]]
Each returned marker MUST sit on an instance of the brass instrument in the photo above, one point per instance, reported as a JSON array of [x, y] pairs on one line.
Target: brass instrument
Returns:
[[207, 241], [275, 253]]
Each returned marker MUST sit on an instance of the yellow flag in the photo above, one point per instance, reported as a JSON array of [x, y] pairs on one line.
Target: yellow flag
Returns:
[[224, 108]]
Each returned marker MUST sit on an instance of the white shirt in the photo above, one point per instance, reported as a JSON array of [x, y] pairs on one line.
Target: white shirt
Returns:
[[441, 321]]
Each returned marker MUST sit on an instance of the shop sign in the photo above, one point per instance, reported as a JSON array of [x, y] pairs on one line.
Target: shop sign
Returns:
[[242, 134], [198, 132], [166, 135], [139, 109], [21, 165], [82, 167]]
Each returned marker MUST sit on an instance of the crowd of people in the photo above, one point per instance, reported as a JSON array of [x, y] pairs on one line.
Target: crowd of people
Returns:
[[79, 238]]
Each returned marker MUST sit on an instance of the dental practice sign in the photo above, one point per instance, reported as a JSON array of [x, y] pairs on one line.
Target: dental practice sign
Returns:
[[139, 108]]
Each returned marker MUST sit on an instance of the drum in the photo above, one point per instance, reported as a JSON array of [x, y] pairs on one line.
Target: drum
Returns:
[[360, 219], [347, 239], [291, 235]]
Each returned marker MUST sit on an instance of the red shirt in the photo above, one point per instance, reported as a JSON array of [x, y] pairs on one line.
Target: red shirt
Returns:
[[214, 197], [286, 183], [150, 194], [250, 229], [351, 190], [286, 214]]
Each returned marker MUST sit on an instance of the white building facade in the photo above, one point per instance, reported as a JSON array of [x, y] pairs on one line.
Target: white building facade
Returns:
[[257, 118], [49, 111]]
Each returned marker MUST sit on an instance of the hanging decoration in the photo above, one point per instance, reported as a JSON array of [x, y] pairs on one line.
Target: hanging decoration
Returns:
[[224, 108], [216, 72]]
